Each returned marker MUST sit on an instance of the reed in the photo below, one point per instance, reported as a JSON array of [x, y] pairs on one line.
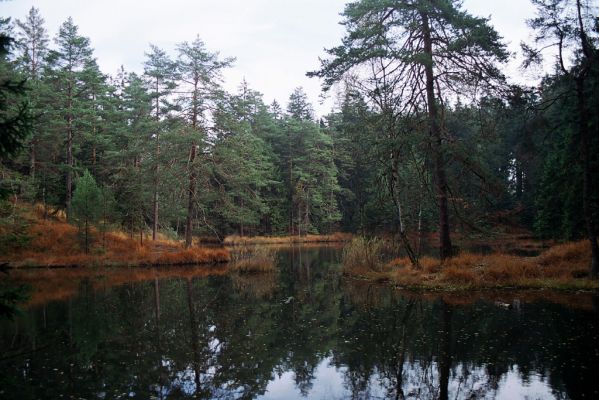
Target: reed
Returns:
[[252, 259], [362, 256]]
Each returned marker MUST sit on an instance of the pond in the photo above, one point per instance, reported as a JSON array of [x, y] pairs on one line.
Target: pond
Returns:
[[303, 332]]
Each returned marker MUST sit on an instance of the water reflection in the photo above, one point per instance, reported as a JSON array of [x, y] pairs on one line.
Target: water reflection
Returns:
[[304, 332]]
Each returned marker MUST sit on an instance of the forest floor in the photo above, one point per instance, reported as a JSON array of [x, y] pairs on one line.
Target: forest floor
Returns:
[[561, 266]]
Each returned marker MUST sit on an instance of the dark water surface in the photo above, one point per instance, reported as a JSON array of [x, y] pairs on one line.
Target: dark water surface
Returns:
[[304, 332]]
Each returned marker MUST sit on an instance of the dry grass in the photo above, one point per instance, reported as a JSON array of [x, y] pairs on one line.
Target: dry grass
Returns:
[[55, 243], [362, 256], [562, 266], [253, 260], [235, 240]]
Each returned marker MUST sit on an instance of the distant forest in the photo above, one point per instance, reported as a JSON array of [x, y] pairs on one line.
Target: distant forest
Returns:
[[427, 135]]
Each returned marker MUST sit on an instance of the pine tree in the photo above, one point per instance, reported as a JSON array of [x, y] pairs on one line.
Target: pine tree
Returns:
[[131, 155], [66, 65], [160, 71], [422, 47], [32, 40], [243, 161], [200, 76]]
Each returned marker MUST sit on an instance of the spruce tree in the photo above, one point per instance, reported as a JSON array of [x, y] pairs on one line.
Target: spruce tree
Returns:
[[87, 204]]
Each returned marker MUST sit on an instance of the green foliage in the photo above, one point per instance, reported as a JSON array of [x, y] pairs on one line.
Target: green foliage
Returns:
[[15, 118], [87, 199], [87, 203], [228, 163]]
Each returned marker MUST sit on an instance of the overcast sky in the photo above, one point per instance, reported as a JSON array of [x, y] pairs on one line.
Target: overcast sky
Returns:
[[274, 41]]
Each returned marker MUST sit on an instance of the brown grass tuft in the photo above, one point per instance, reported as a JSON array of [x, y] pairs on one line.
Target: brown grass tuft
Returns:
[[235, 240], [562, 266], [253, 259], [362, 257]]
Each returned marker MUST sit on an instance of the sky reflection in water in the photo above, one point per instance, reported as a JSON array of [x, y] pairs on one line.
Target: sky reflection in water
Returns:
[[305, 332]]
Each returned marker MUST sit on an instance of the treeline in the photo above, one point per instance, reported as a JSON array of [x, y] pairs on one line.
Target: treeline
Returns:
[[427, 136], [176, 153]]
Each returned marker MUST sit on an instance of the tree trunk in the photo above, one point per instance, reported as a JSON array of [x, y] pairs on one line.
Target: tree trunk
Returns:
[[155, 207], [69, 148], [401, 227], [156, 169], [291, 189], [32, 159], [69, 164], [192, 174], [191, 197], [86, 237], [583, 127], [519, 179], [445, 248]]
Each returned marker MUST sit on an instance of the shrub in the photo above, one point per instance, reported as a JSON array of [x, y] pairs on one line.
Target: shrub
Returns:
[[363, 255]]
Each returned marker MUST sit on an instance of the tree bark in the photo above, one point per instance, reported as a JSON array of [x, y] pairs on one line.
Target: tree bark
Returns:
[[32, 159], [69, 150], [192, 174], [191, 196], [519, 179], [445, 248], [156, 170], [401, 227]]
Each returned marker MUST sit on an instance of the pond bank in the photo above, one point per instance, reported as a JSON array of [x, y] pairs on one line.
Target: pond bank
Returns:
[[337, 237], [52, 243], [561, 267]]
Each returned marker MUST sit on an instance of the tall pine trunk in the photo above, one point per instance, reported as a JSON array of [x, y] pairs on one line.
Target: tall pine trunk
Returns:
[[445, 248], [32, 158], [192, 175], [191, 196], [156, 170], [69, 149]]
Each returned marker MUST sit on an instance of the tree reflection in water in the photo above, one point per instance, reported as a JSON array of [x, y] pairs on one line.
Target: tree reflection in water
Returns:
[[302, 332]]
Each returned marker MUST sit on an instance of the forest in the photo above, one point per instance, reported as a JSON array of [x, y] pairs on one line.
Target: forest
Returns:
[[428, 137], [432, 235]]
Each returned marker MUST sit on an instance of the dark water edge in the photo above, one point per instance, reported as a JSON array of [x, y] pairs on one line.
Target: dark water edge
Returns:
[[304, 332]]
